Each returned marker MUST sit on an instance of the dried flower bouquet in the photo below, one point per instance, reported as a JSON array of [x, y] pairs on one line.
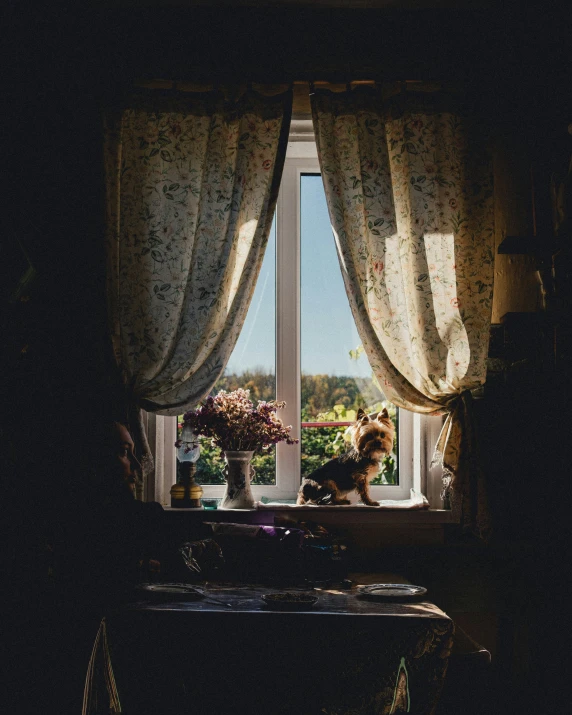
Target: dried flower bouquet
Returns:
[[233, 423]]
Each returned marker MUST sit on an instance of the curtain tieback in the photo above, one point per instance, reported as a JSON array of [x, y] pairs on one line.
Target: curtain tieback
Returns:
[[456, 438], [455, 401]]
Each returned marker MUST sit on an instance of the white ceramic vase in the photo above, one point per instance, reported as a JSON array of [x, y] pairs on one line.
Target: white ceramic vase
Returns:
[[238, 473]]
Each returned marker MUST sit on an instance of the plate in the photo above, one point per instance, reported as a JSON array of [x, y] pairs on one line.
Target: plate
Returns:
[[172, 591], [289, 601], [390, 590]]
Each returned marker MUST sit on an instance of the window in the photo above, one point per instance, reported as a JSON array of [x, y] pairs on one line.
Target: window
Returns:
[[299, 344]]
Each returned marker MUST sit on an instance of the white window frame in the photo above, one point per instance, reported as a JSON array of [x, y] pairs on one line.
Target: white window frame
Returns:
[[417, 433]]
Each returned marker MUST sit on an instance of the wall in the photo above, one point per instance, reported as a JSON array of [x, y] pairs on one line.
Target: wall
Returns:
[[63, 67]]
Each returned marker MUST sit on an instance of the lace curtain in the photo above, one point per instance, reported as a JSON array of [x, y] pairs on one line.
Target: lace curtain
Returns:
[[409, 190], [191, 189]]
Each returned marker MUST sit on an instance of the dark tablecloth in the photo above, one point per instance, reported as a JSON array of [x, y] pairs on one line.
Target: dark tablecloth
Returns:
[[230, 653]]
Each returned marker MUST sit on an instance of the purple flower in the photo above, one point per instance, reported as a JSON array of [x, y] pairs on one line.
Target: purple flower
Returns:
[[232, 422]]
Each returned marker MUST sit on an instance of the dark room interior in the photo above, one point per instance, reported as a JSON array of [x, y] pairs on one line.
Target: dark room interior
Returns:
[[66, 65]]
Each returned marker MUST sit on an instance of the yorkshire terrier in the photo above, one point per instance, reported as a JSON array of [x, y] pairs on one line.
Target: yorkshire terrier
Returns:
[[371, 438]]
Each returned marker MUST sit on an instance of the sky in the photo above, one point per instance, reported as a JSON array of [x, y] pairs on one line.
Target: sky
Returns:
[[328, 332]]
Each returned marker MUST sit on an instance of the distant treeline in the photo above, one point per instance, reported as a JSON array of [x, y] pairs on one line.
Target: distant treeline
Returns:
[[319, 392]]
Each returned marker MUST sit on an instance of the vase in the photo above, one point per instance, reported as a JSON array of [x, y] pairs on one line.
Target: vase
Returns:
[[238, 472]]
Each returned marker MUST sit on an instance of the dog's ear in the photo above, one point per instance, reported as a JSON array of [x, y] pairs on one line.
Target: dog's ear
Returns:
[[361, 415], [384, 414]]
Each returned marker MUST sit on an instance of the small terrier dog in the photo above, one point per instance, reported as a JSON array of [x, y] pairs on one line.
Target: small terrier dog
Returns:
[[372, 438]]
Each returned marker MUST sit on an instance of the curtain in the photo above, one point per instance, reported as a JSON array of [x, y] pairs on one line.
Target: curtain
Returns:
[[409, 190], [191, 187]]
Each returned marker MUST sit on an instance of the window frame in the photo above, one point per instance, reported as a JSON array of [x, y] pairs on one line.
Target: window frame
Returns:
[[417, 433]]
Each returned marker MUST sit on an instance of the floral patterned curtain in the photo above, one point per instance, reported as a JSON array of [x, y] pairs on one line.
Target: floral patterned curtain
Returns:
[[409, 191], [191, 188]]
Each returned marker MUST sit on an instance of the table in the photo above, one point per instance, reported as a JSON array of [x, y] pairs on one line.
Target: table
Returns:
[[230, 653]]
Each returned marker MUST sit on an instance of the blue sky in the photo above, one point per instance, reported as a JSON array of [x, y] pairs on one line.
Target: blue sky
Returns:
[[328, 332]]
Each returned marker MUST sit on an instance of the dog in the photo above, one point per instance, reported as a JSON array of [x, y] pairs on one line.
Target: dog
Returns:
[[371, 438]]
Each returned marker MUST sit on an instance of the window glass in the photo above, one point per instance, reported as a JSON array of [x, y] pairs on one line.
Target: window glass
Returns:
[[336, 376], [252, 366]]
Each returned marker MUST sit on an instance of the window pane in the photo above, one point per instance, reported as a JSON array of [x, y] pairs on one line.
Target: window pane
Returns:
[[336, 376], [252, 366]]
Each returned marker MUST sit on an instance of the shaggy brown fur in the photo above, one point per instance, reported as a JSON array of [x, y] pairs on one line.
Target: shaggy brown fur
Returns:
[[372, 438]]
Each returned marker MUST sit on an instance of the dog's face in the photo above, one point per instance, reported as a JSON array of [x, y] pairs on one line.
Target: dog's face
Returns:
[[373, 437]]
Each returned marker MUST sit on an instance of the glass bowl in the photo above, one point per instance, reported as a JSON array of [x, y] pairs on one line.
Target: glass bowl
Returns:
[[210, 503]]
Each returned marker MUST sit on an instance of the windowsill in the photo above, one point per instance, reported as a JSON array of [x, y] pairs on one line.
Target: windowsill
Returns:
[[344, 514]]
